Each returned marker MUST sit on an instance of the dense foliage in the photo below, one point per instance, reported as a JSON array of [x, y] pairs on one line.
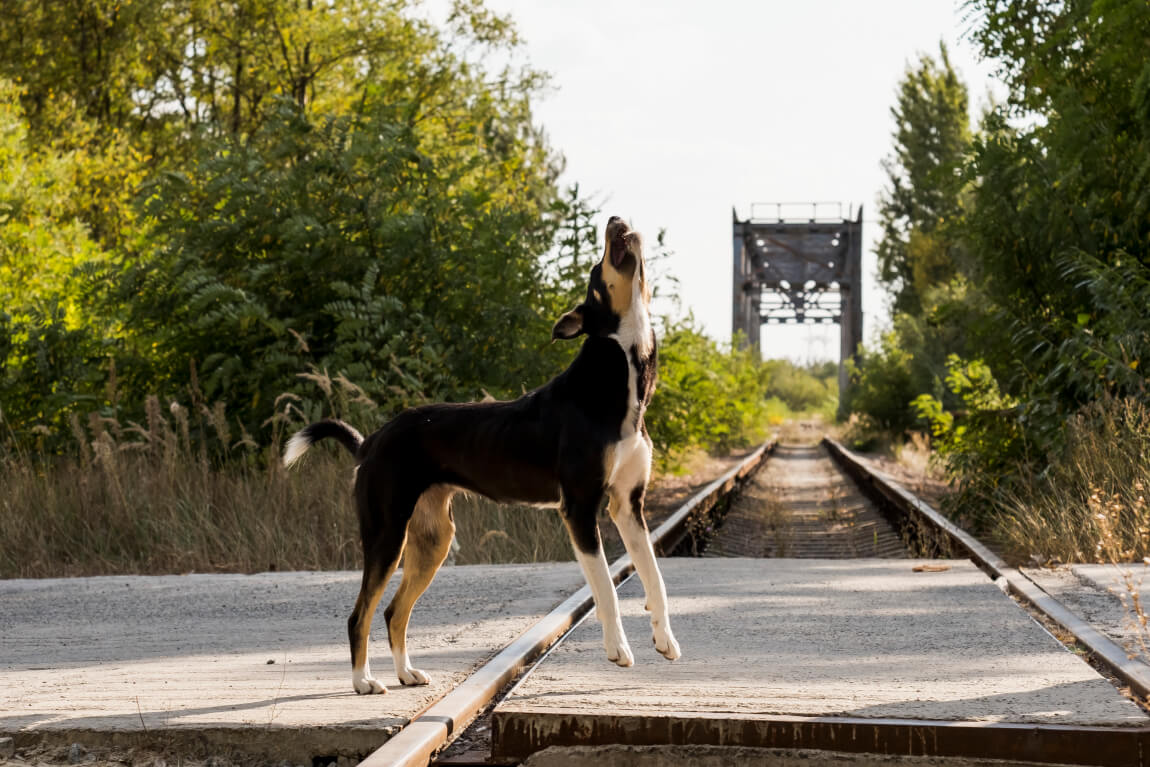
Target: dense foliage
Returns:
[[292, 209], [1036, 325], [804, 389]]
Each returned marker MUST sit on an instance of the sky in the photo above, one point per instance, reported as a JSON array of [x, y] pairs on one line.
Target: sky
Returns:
[[671, 113]]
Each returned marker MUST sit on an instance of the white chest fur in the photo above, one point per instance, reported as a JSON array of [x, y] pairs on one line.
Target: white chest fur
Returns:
[[634, 333]]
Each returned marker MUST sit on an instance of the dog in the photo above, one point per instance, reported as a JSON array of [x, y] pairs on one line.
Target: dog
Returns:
[[567, 444]]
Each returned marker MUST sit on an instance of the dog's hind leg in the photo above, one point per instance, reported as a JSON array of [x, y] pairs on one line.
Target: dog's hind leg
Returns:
[[429, 535], [383, 513], [581, 524], [378, 566]]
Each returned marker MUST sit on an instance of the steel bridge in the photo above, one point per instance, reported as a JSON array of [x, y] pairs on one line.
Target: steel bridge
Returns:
[[799, 263]]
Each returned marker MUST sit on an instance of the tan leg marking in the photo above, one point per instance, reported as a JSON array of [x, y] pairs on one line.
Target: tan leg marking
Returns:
[[429, 536]]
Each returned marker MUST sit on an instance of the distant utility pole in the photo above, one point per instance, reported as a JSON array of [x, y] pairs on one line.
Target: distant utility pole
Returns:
[[799, 263]]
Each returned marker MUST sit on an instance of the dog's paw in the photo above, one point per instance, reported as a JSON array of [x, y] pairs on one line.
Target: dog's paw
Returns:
[[368, 686], [666, 645], [413, 676], [620, 653]]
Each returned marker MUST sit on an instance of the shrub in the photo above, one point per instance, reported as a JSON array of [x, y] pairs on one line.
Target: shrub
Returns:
[[709, 395]]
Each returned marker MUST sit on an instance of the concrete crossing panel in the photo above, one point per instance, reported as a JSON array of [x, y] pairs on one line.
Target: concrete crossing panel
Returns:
[[253, 661], [791, 641]]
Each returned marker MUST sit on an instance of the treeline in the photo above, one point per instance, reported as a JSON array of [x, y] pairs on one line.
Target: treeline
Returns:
[[1017, 255], [234, 203]]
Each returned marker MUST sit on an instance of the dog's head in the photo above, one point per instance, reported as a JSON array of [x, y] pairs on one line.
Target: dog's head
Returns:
[[618, 285]]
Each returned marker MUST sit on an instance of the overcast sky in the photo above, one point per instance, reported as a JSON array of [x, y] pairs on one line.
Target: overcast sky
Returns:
[[670, 113]]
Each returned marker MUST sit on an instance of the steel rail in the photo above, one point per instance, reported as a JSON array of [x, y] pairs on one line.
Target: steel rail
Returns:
[[417, 742], [1130, 670]]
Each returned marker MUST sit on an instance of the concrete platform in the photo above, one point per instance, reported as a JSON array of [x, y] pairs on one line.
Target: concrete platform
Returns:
[[796, 653], [1121, 580], [1102, 595], [254, 662]]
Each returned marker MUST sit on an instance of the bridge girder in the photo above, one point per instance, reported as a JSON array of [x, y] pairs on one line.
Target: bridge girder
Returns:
[[798, 269]]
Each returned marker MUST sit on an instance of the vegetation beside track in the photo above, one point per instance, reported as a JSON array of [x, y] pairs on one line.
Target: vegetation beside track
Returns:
[[348, 214], [1017, 255]]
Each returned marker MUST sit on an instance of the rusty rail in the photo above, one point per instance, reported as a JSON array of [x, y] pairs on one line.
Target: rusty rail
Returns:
[[886, 491], [423, 736]]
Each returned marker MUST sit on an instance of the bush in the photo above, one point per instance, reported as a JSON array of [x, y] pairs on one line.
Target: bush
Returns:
[[804, 389], [709, 395]]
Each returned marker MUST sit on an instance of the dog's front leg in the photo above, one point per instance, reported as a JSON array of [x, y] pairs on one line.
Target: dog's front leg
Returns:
[[626, 510], [580, 519]]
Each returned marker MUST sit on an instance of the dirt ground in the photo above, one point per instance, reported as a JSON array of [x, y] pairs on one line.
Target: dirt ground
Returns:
[[77, 754]]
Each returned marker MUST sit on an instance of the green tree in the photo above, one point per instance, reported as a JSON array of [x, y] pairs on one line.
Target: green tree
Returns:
[[1062, 230], [352, 245], [345, 188], [709, 395], [922, 256], [51, 354], [804, 389], [922, 201]]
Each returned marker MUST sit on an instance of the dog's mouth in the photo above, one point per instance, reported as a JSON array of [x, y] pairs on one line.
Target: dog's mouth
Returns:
[[619, 237]]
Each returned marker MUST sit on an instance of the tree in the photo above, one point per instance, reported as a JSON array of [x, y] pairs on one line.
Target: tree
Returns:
[[343, 187], [922, 202], [921, 254], [1063, 201]]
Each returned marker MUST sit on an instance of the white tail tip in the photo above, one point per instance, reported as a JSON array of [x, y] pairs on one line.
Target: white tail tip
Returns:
[[296, 447]]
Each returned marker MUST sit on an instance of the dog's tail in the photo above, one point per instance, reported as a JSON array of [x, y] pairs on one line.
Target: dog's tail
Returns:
[[309, 435]]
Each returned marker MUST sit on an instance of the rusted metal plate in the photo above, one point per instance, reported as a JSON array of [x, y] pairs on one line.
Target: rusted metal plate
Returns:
[[518, 734]]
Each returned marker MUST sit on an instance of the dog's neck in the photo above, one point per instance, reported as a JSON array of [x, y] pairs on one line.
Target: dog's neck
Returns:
[[638, 343], [635, 326]]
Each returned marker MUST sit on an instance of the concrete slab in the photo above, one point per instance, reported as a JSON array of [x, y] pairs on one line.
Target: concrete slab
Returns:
[[1100, 595], [254, 661], [776, 639], [1123, 581]]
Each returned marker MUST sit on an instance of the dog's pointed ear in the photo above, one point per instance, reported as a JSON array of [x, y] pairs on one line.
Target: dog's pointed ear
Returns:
[[569, 325]]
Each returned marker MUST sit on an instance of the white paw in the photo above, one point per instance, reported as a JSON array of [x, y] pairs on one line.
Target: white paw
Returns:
[[368, 686], [619, 652], [413, 676], [666, 645]]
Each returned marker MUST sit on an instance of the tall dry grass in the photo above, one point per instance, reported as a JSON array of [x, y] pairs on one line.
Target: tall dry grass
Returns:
[[1091, 505], [190, 490], [187, 490]]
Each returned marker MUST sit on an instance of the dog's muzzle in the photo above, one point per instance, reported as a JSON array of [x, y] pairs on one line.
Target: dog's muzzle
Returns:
[[617, 231]]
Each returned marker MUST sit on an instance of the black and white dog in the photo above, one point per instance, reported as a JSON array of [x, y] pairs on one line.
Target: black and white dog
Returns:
[[566, 443]]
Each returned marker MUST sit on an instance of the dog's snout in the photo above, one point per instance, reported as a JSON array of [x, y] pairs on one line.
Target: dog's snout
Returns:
[[616, 228]]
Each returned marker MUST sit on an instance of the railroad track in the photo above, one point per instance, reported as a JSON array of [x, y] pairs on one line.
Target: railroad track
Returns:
[[812, 510], [802, 506]]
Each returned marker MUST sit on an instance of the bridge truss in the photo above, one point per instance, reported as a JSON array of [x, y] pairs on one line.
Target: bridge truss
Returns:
[[799, 263]]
